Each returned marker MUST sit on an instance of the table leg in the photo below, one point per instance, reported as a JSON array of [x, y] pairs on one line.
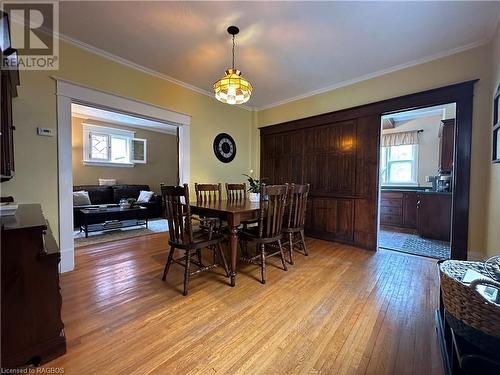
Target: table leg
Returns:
[[86, 230], [234, 253]]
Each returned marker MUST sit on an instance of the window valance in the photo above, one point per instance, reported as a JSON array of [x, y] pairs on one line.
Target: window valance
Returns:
[[400, 138]]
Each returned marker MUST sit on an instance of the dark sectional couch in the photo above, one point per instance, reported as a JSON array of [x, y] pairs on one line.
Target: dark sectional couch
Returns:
[[112, 195]]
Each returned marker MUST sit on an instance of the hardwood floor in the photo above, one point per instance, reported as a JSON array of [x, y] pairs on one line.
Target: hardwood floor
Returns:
[[339, 311]]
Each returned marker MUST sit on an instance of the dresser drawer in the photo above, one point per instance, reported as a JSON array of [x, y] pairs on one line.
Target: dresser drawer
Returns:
[[389, 219], [391, 210]]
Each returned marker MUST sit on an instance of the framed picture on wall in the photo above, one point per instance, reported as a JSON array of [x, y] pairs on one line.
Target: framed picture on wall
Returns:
[[496, 127]]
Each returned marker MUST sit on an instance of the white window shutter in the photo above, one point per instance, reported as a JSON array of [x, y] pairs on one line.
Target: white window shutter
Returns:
[[139, 150]]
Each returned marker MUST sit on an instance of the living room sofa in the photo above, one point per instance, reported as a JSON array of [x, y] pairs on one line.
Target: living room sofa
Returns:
[[100, 195]]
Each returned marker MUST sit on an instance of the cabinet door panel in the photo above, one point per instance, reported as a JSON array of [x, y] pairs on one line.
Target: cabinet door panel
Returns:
[[332, 218], [410, 210], [434, 216]]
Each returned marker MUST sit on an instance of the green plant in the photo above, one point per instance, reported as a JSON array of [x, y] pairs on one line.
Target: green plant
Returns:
[[254, 184], [131, 201]]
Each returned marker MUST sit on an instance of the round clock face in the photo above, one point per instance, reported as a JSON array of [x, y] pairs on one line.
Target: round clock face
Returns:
[[224, 147]]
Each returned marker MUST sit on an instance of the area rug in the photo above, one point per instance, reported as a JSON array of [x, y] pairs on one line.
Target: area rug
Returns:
[[413, 244], [154, 226]]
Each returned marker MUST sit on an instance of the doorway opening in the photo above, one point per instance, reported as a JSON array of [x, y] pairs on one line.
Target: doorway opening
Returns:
[[416, 181], [119, 162], [69, 95]]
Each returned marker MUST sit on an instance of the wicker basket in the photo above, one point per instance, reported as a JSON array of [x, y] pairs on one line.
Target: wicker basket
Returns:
[[464, 302]]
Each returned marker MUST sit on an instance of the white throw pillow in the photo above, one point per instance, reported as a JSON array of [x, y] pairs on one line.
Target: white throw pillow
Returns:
[[145, 196], [107, 182], [81, 198]]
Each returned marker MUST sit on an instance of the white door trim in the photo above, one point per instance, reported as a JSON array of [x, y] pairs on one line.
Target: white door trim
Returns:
[[69, 92]]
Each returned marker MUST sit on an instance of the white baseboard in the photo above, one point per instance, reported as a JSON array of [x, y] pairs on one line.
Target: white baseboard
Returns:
[[67, 260]]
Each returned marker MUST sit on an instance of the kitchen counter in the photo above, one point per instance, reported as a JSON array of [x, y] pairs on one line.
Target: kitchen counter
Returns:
[[418, 190]]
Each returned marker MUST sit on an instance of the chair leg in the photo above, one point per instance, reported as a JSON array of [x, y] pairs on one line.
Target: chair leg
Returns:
[[243, 249], [198, 254], [290, 243], [303, 242], [263, 263], [186, 272], [223, 258], [282, 256], [169, 262]]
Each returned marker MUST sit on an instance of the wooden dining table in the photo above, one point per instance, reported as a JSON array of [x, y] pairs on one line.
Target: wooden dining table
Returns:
[[234, 212]]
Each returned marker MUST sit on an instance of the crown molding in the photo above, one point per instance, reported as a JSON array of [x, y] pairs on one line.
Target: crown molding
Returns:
[[379, 73], [143, 69]]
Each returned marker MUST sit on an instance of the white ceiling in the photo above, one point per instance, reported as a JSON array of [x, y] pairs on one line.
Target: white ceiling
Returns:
[[286, 49], [113, 117]]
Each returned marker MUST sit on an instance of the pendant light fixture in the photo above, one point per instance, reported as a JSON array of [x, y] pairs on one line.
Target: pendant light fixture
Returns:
[[232, 88]]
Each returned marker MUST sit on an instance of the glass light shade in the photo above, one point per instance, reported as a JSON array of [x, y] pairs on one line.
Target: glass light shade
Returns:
[[232, 88]]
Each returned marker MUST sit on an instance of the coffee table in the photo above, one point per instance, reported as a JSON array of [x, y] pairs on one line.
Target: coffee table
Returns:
[[109, 218]]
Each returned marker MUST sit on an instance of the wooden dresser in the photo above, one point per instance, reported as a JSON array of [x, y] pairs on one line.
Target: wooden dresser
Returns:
[[32, 329]]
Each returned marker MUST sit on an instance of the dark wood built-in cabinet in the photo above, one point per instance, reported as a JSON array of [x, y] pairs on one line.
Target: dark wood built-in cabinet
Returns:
[[446, 146], [326, 155], [32, 329], [9, 83], [338, 153]]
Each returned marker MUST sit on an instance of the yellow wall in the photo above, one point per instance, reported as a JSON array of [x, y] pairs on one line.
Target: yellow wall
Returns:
[[471, 64], [36, 157], [492, 229], [161, 165]]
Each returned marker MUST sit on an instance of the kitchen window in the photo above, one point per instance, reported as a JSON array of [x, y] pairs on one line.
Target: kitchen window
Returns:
[[112, 147], [398, 165]]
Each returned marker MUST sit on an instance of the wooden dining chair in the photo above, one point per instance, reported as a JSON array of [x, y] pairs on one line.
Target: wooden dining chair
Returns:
[[208, 192], [236, 191], [182, 236], [295, 218], [267, 234]]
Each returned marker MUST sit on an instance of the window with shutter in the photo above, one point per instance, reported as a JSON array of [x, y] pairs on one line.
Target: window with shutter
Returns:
[[112, 147]]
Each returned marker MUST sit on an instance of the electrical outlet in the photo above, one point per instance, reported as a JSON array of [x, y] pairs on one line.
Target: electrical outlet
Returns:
[[46, 132]]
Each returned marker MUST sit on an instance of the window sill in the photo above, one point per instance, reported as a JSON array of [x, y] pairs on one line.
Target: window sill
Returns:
[[107, 164]]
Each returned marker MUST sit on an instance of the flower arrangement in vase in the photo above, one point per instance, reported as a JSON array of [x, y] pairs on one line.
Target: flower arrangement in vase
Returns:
[[254, 189]]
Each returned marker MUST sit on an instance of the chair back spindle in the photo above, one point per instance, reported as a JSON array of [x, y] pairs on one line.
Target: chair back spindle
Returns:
[[208, 193], [297, 206], [272, 209], [236, 191]]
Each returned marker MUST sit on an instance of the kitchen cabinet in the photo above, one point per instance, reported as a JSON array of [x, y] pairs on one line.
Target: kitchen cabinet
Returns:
[[434, 216], [410, 209], [446, 146], [398, 208]]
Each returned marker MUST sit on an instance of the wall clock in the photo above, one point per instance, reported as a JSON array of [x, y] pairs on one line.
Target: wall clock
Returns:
[[224, 147]]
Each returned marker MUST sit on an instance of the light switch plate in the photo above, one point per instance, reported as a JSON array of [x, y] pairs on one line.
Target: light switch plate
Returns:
[[46, 132]]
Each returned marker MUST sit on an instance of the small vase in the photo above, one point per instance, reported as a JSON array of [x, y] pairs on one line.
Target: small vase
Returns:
[[254, 197]]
